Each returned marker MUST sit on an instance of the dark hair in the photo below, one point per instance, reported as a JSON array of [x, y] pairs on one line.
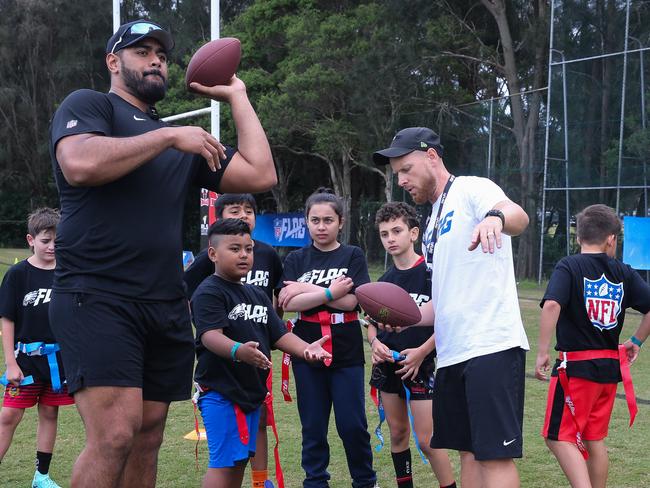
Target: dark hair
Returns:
[[325, 195], [228, 227], [596, 223], [233, 199], [396, 210], [42, 219]]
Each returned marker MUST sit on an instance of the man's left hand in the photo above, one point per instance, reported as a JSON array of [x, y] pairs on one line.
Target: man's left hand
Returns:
[[487, 233]]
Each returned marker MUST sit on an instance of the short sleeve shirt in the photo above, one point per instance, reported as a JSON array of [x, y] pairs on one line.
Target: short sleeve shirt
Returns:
[[24, 299], [244, 313], [265, 273], [123, 238], [474, 294], [594, 291], [417, 282], [310, 265]]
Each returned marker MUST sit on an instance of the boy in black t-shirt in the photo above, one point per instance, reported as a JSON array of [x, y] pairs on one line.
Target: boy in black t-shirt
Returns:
[[265, 274], [586, 299], [236, 328], [34, 371], [398, 230], [267, 266]]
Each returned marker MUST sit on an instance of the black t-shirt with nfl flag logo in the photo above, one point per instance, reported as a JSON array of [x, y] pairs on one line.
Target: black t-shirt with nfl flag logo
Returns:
[[417, 282], [25, 299], [265, 273], [244, 313], [594, 291], [310, 265], [123, 238]]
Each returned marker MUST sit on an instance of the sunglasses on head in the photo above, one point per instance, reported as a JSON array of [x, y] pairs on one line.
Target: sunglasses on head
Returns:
[[138, 29]]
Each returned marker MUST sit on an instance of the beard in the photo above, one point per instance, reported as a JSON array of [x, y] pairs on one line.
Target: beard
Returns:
[[150, 87]]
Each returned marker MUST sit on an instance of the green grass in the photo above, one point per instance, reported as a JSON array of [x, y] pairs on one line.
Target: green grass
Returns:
[[538, 469]]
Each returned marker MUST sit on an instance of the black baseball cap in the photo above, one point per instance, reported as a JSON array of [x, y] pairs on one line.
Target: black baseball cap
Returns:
[[409, 140], [129, 34]]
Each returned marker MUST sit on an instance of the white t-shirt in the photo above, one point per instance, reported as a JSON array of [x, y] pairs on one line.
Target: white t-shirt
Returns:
[[474, 294]]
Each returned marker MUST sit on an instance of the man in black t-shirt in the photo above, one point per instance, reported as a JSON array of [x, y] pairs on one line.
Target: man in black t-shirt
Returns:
[[586, 299], [118, 308]]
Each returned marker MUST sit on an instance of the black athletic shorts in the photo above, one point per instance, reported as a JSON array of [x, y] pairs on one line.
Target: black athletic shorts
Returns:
[[112, 342], [386, 380], [478, 406]]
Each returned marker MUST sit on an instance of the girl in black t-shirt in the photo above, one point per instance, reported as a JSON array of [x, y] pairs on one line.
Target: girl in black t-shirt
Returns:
[[319, 281]]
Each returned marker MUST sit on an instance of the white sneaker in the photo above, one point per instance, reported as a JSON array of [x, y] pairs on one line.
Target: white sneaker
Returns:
[[43, 481]]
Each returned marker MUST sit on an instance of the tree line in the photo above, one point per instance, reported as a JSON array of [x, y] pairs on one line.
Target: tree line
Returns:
[[332, 80]]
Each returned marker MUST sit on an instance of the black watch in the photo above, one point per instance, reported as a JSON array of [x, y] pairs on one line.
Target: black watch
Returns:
[[497, 213]]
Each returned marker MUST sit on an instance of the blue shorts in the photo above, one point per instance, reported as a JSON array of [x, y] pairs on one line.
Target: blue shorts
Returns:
[[225, 447]]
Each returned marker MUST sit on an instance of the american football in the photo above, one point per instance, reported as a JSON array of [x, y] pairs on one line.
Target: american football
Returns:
[[214, 63], [388, 303]]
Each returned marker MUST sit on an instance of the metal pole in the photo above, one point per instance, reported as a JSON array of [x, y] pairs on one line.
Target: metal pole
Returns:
[[643, 125], [622, 122], [548, 118], [214, 34], [489, 158], [116, 15], [566, 158]]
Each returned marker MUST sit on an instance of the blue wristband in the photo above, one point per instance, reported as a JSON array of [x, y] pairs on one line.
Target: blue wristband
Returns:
[[328, 294], [233, 351], [636, 341]]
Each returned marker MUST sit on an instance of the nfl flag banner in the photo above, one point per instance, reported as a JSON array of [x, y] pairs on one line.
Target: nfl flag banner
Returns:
[[603, 302], [287, 229]]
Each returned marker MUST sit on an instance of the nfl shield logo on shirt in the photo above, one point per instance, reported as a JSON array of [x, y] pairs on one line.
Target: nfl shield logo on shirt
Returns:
[[603, 302]]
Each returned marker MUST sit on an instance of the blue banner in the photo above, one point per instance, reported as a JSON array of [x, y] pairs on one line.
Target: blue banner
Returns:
[[636, 245], [287, 229]]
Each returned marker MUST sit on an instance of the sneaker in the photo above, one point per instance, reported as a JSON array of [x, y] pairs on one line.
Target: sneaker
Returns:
[[43, 481]]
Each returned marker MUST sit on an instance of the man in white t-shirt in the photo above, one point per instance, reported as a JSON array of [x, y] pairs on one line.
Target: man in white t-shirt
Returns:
[[480, 339]]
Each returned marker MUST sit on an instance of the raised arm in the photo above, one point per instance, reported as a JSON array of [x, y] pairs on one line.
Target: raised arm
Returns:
[[488, 232], [251, 169]]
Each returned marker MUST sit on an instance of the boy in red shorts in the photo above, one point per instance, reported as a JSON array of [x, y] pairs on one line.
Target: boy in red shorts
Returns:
[[586, 299], [34, 370]]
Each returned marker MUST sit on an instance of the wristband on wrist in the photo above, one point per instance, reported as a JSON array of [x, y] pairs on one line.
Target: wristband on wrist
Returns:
[[637, 342], [497, 213], [373, 341], [233, 351], [328, 295]]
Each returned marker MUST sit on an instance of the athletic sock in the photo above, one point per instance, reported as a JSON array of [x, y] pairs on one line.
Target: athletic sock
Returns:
[[43, 461], [453, 485], [259, 477], [403, 470]]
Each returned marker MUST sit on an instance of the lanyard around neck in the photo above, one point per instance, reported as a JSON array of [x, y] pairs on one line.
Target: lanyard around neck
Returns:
[[436, 226]]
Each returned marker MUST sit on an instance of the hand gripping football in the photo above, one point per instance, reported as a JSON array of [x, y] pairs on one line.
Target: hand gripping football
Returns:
[[214, 63], [388, 303]]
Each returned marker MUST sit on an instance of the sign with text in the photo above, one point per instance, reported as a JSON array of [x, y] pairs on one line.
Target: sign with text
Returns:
[[287, 229]]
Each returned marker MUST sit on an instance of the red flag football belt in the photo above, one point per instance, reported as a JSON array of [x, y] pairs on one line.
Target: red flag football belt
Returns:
[[621, 356], [326, 320]]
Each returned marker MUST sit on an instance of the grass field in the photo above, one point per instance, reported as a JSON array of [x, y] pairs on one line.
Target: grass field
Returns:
[[538, 469]]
